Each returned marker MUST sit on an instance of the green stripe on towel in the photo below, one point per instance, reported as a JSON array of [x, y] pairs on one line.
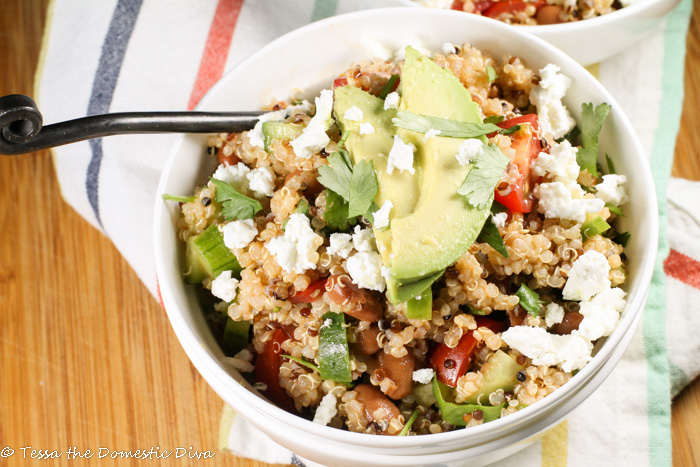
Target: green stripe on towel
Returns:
[[324, 9]]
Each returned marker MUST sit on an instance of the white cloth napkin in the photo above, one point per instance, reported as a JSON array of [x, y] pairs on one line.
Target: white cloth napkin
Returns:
[[131, 55]]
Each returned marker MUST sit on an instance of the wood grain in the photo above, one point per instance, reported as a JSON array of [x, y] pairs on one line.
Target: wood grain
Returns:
[[87, 357]]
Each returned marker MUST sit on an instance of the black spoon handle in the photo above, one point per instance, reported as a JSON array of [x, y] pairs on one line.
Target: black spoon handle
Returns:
[[21, 128]]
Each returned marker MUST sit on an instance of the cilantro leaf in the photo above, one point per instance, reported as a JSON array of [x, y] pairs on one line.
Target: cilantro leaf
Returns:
[[491, 74], [529, 299], [622, 238], [450, 128], [494, 119], [337, 176], [484, 176], [336, 213], [363, 188], [591, 124], [490, 234], [510, 130], [235, 205]]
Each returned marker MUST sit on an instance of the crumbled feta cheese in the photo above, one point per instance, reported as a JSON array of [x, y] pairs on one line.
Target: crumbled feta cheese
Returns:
[[423, 376], [571, 351], [326, 409], [553, 116], [432, 133], [448, 48], [601, 313], [365, 268], [304, 107], [238, 364], [499, 219], [588, 276], [381, 216], [238, 234], [327, 323], [354, 114], [560, 164], [553, 314], [341, 245], [234, 175], [556, 201], [400, 156], [386, 273], [224, 286], [366, 128], [262, 181], [363, 239], [314, 137], [391, 101], [295, 251], [376, 50], [255, 135], [468, 150], [611, 190]]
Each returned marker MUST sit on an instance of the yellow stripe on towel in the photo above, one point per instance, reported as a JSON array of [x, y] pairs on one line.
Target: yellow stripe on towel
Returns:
[[555, 446], [594, 70]]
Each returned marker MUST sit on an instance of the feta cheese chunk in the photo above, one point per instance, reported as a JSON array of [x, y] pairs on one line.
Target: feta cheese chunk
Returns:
[[401, 157], [423, 376], [468, 150], [224, 286], [601, 313], [326, 409], [556, 201], [304, 107], [354, 114], [499, 219], [314, 137], [546, 96], [295, 251], [611, 190], [341, 245], [571, 351], [255, 135], [553, 314], [366, 128], [238, 234], [363, 239], [234, 175], [381, 216], [365, 268], [432, 133], [588, 276], [262, 181], [391, 101], [449, 48], [560, 163]]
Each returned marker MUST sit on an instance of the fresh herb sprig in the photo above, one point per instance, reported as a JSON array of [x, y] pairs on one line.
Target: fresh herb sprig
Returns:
[[490, 234], [481, 181], [529, 299], [235, 205], [357, 185], [447, 127], [592, 119]]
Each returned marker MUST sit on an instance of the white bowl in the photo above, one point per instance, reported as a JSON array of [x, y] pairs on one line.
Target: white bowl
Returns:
[[593, 40], [310, 58]]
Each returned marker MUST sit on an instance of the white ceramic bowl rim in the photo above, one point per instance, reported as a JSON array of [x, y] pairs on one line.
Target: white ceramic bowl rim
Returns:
[[502, 426]]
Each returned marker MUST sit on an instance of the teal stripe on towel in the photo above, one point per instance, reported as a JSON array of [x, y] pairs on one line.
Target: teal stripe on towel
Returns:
[[324, 9]]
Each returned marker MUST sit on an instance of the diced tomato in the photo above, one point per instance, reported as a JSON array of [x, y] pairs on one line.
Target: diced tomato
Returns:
[[458, 5], [340, 81], [267, 370], [482, 5], [312, 292], [527, 146], [510, 6], [451, 363]]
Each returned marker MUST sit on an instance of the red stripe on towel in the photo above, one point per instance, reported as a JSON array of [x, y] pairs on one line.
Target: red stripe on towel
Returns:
[[211, 67], [683, 267]]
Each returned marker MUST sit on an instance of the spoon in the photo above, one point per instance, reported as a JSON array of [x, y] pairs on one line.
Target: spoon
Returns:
[[21, 129]]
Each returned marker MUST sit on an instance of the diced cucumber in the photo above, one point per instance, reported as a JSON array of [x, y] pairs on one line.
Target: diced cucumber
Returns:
[[333, 351], [279, 130], [499, 373], [235, 336], [208, 256], [595, 225], [421, 306]]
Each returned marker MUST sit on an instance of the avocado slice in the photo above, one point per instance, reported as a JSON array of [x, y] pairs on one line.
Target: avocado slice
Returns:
[[499, 373]]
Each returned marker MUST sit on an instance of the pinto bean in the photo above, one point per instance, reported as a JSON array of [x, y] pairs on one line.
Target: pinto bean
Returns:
[[400, 371], [352, 300], [376, 404], [549, 14], [570, 322], [367, 342], [517, 315]]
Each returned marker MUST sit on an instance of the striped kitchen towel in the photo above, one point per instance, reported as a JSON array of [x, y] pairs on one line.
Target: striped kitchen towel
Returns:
[[140, 55]]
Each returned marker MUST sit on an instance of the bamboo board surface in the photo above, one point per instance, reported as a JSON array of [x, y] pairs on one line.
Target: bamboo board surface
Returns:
[[87, 356]]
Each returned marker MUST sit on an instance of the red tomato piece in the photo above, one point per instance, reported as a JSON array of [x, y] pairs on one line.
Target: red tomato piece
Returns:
[[340, 81], [267, 370], [482, 5], [312, 292], [510, 6], [451, 363]]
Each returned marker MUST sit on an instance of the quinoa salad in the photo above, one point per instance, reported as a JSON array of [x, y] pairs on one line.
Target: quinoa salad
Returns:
[[430, 245], [532, 12]]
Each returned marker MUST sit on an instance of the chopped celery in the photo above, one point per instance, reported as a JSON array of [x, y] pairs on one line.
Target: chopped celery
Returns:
[[454, 413], [207, 256], [279, 131], [421, 306], [333, 351]]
